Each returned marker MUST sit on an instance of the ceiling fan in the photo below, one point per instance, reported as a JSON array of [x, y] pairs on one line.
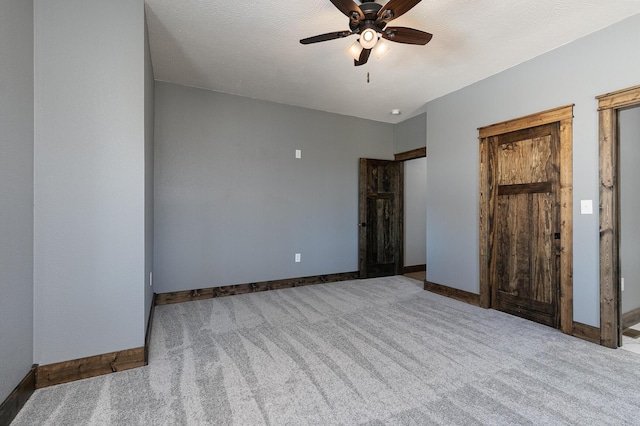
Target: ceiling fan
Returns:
[[369, 21]]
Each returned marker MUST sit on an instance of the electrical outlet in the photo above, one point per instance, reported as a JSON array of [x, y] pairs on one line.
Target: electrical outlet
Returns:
[[297, 257]]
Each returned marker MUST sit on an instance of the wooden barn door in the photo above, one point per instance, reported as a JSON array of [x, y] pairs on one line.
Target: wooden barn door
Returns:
[[526, 218], [526, 226], [380, 236]]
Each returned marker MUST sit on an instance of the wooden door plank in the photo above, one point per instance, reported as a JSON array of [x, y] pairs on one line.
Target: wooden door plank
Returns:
[[566, 226], [609, 271], [544, 283], [493, 220], [485, 188], [525, 188], [527, 159], [513, 231]]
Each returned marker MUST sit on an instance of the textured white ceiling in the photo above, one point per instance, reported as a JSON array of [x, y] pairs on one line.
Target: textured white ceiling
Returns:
[[251, 48]]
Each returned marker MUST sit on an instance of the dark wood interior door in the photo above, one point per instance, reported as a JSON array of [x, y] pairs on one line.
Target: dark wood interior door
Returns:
[[381, 232], [525, 252]]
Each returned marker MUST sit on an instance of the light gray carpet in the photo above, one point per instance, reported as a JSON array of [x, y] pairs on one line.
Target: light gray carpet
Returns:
[[374, 352]]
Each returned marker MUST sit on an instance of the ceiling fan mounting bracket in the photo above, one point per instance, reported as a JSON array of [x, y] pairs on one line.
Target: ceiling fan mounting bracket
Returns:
[[370, 9]]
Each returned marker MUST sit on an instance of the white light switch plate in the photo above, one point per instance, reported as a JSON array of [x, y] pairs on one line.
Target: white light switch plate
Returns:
[[298, 153], [586, 207]]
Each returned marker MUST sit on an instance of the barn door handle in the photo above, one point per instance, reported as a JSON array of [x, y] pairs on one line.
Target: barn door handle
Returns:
[[363, 224]]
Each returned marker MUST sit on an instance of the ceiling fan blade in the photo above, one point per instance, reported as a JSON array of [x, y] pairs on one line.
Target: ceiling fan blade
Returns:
[[394, 9], [325, 37], [406, 35], [349, 8], [364, 57]]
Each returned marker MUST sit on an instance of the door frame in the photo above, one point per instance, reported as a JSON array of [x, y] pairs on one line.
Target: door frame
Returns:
[[405, 156], [609, 105], [488, 196], [400, 157]]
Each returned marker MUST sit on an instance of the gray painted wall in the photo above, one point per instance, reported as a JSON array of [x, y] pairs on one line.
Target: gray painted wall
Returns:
[[16, 192], [415, 211], [629, 125], [233, 204], [149, 118], [410, 134], [89, 246], [575, 73]]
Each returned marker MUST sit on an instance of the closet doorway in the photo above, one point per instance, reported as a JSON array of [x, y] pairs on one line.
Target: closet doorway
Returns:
[[415, 212], [612, 107]]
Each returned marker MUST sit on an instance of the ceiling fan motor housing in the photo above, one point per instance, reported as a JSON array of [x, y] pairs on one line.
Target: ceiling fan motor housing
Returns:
[[370, 10]]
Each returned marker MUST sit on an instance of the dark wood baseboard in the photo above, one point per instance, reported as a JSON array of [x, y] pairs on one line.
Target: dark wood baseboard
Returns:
[[586, 332], [147, 336], [630, 319], [98, 365], [453, 293], [12, 405], [411, 155], [230, 290], [83, 368], [414, 268]]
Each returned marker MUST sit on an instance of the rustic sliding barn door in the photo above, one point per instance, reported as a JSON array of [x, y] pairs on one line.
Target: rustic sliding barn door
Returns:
[[526, 248], [380, 237], [526, 217]]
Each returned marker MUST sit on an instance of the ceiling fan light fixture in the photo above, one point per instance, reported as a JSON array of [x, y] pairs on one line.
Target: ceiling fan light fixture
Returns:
[[354, 50], [368, 38], [381, 49]]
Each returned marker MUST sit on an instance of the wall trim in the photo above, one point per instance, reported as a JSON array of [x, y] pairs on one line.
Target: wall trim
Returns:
[[12, 405], [532, 120], [231, 290], [83, 368], [414, 268], [147, 336], [411, 155], [453, 293], [586, 332], [630, 319]]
